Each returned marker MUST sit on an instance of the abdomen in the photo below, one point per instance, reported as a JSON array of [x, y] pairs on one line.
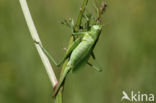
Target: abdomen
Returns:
[[80, 54]]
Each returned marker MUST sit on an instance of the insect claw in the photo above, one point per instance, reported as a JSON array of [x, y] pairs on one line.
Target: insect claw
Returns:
[[36, 42]]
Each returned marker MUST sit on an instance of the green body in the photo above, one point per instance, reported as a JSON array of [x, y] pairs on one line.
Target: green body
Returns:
[[80, 51], [82, 47]]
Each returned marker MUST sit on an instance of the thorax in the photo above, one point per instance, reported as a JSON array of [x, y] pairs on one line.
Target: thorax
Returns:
[[88, 38]]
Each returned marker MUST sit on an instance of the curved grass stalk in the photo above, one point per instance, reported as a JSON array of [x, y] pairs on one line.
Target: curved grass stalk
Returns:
[[35, 37]]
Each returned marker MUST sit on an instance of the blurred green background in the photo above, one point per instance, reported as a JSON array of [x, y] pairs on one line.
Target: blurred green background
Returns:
[[126, 50]]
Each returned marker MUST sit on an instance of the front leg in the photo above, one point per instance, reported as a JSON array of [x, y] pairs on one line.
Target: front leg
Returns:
[[48, 54], [69, 50]]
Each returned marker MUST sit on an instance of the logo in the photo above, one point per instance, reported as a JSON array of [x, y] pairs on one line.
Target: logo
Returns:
[[134, 97]]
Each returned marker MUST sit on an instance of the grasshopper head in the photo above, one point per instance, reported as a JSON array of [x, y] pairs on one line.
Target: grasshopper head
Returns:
[[95, 31]]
